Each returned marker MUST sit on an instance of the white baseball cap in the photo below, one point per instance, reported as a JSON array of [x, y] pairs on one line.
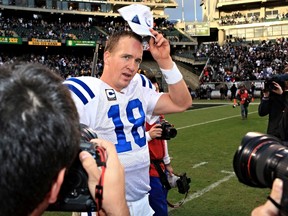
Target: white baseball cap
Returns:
[[139, 18]]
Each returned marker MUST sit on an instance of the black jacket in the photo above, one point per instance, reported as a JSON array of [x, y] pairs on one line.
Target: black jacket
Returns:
[[272, 106]]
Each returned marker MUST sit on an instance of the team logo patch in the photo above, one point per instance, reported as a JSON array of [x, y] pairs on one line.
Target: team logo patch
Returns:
[[110, 94]]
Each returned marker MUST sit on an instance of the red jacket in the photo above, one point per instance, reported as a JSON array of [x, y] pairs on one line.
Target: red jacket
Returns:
[[242, 95], [157, 152]]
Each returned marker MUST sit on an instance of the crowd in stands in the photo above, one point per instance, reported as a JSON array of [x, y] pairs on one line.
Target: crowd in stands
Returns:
[[42, 29], [65, 65], [245, 61], [6, 33], [237, 18], [38, 27], [166, 27]]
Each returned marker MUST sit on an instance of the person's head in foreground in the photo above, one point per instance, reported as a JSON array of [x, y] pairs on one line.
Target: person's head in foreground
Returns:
[[39, 138]]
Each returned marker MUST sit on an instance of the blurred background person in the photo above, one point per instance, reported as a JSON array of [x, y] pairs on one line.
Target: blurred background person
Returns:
[[233, 90], [252, 91], [209, 92], [244, 100], [272, 104]]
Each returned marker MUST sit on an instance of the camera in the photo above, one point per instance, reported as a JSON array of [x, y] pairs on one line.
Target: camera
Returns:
[[269, 85], [168, 130], [260, 159], [74, 194], [235, 105], [280, 79], [181, 182]]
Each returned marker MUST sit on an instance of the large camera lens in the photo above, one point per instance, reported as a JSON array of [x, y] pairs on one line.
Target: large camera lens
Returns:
[[75, 180], [260, 159], [172, 132]]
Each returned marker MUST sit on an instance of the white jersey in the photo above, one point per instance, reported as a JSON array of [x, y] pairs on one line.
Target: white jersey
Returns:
[[120, 118]]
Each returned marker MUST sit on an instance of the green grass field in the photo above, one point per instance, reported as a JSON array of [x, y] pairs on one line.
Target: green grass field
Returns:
[[209, 137], [204, 148]]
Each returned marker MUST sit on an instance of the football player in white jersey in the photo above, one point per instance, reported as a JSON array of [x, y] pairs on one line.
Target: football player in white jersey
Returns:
[[117, 105]]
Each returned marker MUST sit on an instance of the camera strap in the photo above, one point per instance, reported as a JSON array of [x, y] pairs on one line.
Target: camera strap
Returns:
[[99, 186], [162, 174], [180, 203], [274, 202], [165, 183]]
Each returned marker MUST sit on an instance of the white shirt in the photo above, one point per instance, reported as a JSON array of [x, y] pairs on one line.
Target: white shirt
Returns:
[[120, 118]]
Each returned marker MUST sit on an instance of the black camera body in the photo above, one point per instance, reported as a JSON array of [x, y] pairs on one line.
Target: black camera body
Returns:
[[74, 194], [180, 181], [280, 79], [183, 183], [269, 85], [168, 130], [259, 160]]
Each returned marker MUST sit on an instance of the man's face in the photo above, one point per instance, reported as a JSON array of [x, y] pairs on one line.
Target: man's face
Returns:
[[123, 62]]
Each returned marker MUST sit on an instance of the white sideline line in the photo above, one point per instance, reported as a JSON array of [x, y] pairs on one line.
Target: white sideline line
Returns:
[[217, 105], [199, 164], [227, 172], [207, 189], [212, 121]]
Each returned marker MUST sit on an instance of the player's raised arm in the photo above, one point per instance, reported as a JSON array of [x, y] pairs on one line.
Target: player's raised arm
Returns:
[[178, 98]]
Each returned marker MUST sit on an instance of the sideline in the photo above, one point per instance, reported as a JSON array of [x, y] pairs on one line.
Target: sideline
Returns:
[[204, 108], [207, 189], [214, 105], [212, 121], [199, 164]]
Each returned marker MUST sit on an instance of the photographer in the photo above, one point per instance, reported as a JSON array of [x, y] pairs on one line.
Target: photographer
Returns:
[[272, 104], [244, 99], [275, 104], [160, 159], [40, 138]]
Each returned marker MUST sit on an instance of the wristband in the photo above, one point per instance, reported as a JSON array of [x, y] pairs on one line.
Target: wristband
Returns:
[[148, 137], [166, 160], [173, 75]]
